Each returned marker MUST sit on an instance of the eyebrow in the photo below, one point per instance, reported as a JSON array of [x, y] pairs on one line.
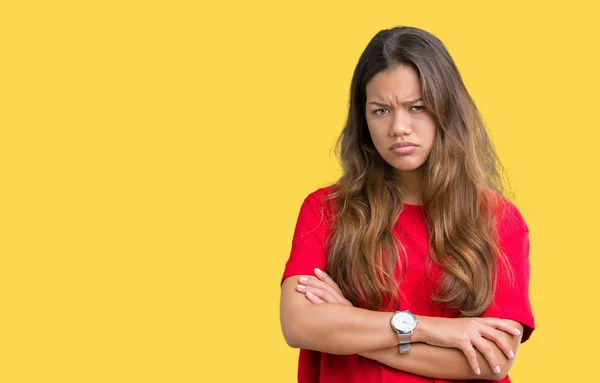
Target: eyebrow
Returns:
[[385, 105]]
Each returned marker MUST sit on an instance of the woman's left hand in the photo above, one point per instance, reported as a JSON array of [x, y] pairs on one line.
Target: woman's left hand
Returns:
[[321, 289]]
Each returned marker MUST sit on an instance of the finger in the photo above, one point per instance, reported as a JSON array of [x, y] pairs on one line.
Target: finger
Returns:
[[327, 279], [347, 302], [314, 282], [506, 326], [313, 298], [471, 355], [497, 337], [324, 295], [501, 324], [488, 352]]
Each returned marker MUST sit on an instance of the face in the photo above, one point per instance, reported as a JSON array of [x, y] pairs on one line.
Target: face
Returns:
[[400, 126]]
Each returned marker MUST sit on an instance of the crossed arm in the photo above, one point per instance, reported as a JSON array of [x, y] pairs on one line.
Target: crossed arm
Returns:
[[316, 316]]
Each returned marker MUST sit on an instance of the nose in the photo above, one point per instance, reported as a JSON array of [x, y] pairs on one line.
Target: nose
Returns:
[[400, 123]]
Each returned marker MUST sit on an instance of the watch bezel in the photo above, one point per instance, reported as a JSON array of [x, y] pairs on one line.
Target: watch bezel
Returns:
[[408, 328]]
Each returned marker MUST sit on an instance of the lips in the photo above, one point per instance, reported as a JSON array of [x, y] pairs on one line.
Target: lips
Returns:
[[402, 145]]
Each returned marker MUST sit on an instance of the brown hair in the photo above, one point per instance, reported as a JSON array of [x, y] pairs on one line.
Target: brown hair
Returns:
[[461, 185]]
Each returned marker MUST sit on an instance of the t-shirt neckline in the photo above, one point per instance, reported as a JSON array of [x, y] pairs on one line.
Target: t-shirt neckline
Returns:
[[413, 205]]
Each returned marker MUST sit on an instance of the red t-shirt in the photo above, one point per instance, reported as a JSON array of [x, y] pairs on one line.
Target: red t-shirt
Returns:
[[511, 301]]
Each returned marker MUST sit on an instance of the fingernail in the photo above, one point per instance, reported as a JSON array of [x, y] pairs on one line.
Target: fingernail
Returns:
[[300, 287], [511, 353], [478, 371], [517, 331], [317, 270], [497, 369], [303, 279], [311, 294]]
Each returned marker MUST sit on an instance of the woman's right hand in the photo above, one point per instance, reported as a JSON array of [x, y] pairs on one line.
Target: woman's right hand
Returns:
[[468, 334]]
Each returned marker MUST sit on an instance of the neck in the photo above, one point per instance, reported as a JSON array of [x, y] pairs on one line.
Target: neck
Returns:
[[412, 185]]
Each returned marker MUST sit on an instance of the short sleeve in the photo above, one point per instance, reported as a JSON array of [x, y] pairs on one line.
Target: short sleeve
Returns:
[[511, 300], [309, 244]]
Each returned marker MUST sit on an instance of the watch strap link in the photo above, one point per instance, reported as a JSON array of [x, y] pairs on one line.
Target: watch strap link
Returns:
[[403, 347], [404, 342]]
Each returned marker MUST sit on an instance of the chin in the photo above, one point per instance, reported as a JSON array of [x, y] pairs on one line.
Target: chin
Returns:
[[407, 167], [407, 170]]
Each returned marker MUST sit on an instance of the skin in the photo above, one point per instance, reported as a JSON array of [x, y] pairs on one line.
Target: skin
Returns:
[[314, 313], [443, 348], [395, 113]]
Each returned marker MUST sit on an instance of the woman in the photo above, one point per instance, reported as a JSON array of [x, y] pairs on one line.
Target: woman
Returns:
[[413, 267]]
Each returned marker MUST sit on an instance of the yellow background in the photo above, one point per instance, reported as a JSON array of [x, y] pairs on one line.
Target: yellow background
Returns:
[[154, 156]]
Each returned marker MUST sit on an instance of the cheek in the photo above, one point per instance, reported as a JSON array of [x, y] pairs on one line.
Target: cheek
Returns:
[[379, 141], [431, 138], [431, 132], [372, 133], [376, 132]]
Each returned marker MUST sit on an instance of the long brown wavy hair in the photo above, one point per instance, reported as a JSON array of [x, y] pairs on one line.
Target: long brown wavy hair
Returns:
[[462, 183]]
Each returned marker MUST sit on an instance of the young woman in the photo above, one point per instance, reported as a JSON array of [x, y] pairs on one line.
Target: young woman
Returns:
[[413, 267]]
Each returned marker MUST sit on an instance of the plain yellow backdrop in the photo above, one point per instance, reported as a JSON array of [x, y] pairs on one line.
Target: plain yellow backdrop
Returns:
[[154, 156]]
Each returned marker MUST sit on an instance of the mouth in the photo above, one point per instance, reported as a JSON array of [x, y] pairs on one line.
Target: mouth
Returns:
[[400, 145], [404, 147]]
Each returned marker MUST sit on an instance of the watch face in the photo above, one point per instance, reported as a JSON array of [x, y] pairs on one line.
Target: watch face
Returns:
[[404, 322]]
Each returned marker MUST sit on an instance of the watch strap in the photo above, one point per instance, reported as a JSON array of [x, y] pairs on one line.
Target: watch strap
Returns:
[[403, 347], [404, 338]]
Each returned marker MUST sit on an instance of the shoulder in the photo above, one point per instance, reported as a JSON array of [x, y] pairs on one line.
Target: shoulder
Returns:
[[319, 199], [317, 207], [315, 218], [509, 219], [320, 194]]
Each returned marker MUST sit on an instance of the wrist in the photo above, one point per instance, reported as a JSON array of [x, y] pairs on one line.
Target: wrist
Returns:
[[422, 331], [404, 323]]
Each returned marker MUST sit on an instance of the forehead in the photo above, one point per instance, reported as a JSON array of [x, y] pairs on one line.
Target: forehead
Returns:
[[399, 83]]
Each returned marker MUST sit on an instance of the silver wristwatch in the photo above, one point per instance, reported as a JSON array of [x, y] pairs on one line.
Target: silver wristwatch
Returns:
[[404, 323]]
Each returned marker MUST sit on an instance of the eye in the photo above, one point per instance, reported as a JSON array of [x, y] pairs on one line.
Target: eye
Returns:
[[381, 112], [417, 108]]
